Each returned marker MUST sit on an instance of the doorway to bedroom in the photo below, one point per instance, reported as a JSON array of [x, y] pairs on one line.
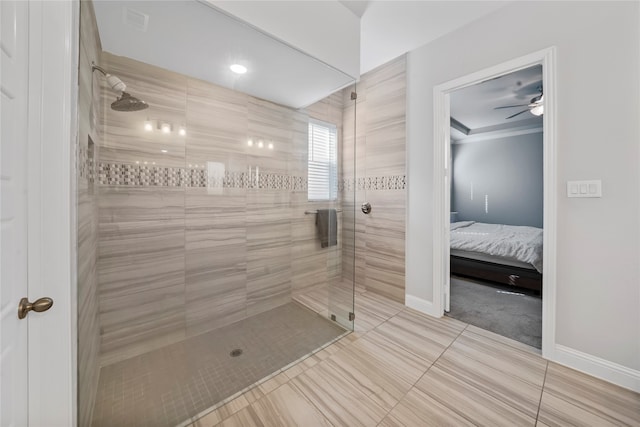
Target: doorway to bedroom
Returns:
[[496, 193]]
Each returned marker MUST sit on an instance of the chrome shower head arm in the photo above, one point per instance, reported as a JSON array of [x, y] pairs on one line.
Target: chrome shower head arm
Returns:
[[96, 67], [113, 81]]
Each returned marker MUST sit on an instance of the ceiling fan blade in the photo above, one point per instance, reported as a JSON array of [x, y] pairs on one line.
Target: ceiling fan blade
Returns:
[[510, 106], [517, 114]]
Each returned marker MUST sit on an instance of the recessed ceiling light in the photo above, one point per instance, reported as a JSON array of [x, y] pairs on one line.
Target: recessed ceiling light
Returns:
[[238, 69], [164, 151]]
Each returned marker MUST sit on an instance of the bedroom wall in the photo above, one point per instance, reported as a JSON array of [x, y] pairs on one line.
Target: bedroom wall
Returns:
[[598, 241], [498, 181]]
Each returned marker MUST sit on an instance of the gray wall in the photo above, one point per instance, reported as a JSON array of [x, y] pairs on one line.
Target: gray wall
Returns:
[[498, 181], [598, 240]]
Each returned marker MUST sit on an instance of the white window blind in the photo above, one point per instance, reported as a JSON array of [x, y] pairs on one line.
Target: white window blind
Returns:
[[323, 165]]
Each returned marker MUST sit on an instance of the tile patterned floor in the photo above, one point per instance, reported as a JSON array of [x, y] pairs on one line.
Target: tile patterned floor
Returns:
[[402, 368], [167, 386]]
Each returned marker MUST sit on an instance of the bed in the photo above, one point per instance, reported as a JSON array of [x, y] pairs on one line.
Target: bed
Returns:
[[506, 254]]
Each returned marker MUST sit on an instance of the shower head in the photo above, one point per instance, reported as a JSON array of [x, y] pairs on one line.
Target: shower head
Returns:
[[125, 102], [115, 83]]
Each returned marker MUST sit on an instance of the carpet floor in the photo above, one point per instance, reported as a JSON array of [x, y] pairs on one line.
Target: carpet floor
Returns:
[[500, 309]]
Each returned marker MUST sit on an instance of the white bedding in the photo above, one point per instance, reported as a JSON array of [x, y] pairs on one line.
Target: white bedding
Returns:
[[520, 243]]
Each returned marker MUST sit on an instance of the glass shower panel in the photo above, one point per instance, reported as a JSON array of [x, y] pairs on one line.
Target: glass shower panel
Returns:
[[259, 287], [141, 246], [341, 260], [200, 260]]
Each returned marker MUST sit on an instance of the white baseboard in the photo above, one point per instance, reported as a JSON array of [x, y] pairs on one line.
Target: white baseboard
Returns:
[[422, 305], [574, 359], [597, 367]]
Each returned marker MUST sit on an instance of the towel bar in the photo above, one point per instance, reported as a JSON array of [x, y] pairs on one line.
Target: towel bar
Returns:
[[315, 212]]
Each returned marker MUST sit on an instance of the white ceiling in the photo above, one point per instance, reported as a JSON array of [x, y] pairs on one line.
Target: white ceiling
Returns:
[[197, 40], [325, 29], [475, 106], [358, 7], [389, 29]]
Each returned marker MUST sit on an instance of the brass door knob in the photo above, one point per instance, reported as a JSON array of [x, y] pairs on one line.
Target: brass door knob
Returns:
[[40, 305]]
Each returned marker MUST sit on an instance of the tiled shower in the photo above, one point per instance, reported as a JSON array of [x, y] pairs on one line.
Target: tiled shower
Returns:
[[201, 230], [194, 242], [196, 238]]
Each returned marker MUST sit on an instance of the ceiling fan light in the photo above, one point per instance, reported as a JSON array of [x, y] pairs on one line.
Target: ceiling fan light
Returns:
[[536, 100], [538, 110]]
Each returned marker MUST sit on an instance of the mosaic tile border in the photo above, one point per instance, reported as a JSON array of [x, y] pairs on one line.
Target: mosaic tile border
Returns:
[[385, 182], [115, 174], [85, 165]]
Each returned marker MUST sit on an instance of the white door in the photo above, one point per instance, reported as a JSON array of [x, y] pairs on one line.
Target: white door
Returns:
[[13, 212]]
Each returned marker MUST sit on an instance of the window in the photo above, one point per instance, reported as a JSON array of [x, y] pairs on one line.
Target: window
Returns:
[[323, 166]]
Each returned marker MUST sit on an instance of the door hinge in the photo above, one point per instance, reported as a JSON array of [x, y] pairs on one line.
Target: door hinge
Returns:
[[354, 96], [333, 317], [352, 317]]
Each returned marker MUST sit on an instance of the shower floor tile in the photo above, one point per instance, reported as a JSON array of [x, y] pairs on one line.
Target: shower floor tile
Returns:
[[168, 386]]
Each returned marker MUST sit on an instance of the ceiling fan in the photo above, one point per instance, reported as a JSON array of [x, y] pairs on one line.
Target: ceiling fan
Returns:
[[536, 106]]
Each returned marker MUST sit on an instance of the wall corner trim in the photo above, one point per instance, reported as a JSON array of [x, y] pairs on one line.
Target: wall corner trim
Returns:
[[595, 366], [421, 305]]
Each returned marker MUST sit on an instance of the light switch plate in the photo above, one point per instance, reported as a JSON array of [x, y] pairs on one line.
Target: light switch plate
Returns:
[[591, 188]]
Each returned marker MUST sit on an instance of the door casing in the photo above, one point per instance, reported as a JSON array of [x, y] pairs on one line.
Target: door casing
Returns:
[[53, 88], [442, 177]]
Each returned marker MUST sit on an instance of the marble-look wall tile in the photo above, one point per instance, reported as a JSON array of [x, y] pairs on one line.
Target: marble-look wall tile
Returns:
[[385, 119], [88, 306], [298, 153], [380, 179], [269, 125], [360, 244], [348, 236], [216, 259], [313, 265], [89, 108], [141, 270], [385, 244], [308, 261], [217, 123], [268, 250], [214, 229]]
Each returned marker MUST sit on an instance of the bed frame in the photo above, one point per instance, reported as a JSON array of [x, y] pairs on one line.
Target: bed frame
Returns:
[[504, 274]]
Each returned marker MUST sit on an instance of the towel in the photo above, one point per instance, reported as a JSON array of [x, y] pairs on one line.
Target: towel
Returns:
[[327, 224]]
